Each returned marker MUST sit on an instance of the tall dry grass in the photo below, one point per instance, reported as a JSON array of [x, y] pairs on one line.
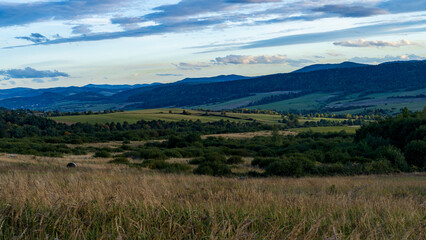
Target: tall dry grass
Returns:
[[109, 202]]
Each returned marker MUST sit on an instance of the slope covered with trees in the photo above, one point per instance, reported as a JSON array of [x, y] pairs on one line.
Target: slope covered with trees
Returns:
[[384, 77]]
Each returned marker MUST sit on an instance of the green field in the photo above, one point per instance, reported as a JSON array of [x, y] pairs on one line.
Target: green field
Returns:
[[163, 114], [382, 101], [319, 100], [307, 102], [176, 115], [238, 103], [347, 129]]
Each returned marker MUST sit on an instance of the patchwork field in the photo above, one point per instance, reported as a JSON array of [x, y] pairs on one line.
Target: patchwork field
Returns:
[[347, 129], [238, 103], [166, 115], [42, 199], [316, 101], [148, 115]]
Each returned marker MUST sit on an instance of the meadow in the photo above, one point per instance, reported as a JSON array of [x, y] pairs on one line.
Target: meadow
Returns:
[[168, 114], [42, 199], [314, 101], [347, 129]]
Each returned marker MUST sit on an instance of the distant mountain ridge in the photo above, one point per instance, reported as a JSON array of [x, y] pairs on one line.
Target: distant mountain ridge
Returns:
[[221, 78], [318, 67], [345, 77]]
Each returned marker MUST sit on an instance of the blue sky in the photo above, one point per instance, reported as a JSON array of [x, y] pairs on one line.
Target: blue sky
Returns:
[[49, 43]]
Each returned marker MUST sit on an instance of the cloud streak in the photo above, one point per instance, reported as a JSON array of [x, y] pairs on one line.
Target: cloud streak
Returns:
[[13, 14], [35, 38], [377, 43], [370, 30], [388, 58], [245, 59], [191, 66], [350, 11], [193, 15], [31, 73], [260, 59]]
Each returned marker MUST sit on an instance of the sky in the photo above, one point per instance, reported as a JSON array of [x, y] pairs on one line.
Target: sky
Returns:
[[53, 43]]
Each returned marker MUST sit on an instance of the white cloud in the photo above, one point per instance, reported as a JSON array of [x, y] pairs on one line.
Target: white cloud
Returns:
[[387, 58], [246, 59], [260, 59], [191, 66], [376, 43]]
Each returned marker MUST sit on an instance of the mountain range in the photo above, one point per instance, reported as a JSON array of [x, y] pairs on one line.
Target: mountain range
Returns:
[[337, 79]]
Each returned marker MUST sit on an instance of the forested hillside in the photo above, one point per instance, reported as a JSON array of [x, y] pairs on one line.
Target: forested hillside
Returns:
[[384, 77]]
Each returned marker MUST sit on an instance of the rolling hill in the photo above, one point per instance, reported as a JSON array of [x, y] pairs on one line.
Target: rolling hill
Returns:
[[318, 67], [333, 82]]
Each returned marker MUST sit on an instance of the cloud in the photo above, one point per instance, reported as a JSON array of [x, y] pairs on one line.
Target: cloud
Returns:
[[261, 59], [13, 14], [388, 58], [35, 38], [194, 15], [252, 1], [377, 43], [128, 23], [399, 6], [350, 11], [38, 80], [191, 66], [369, 30], [31, 73], [246, 59], [169, 75], [82, 29], [333, 54]]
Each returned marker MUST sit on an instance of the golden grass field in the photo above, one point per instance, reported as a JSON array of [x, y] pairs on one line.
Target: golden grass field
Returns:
[[41, 199]]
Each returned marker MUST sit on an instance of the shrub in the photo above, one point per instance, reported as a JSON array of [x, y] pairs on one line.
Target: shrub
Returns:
[[377, 167], [394, 156], [240, 152], [120, 160], [152, 153], [285, 167], [263, 162], [173, 153], [296, 166], [333, 169], [196, 161], [102, 154], [165, 166], [214, 157], [190, 152], [126, 147], [235, 160], [415, 153], [266, 152], [213, 169]]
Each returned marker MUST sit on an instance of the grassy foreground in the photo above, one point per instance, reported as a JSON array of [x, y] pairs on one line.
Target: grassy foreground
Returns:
[[41, 199]]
